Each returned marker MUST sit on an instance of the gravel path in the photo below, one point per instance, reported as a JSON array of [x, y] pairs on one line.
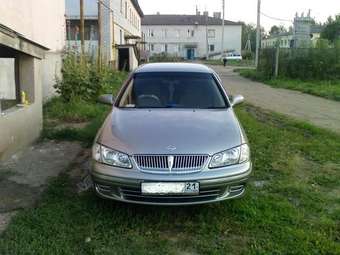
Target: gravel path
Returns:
[[315, 110]]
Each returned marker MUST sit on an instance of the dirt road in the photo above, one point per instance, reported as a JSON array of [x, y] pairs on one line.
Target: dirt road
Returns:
[[315, 110]]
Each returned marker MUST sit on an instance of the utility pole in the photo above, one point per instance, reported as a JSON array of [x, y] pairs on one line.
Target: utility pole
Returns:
[[247, 47], [206, 35], [99, 35], [223, 16], [258, 33], [277, 60], [82, 25], [68, 24]]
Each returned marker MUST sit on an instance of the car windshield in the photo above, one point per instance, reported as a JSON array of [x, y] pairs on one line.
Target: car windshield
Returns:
[[173, 90]]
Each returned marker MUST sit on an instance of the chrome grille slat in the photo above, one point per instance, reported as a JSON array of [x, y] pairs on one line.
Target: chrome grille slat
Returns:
[[159, 163]]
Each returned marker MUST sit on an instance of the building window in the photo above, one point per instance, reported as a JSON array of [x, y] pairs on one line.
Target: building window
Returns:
[[211, 33], [121, 6], [90, 30], [211, 47], [152, 47], [166, 48], [191, 33], [126, 10], [120, 36], [130, 15], [151, 33]]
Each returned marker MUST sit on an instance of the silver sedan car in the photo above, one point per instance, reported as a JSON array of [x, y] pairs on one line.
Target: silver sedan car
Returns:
[[172, 138]]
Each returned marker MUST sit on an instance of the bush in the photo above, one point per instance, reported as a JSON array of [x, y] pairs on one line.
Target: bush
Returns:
[[246, 54], [83, 80], [164, 57], [321, 63]]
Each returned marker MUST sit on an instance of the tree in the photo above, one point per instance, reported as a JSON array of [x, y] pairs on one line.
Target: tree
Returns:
[[331, 30], [275, 30], [249, 32]]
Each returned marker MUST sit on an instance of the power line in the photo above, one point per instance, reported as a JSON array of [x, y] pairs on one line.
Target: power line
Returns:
[[274, 18]]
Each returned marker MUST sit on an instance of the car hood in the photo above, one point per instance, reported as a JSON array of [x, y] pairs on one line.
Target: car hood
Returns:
[[160, 131]]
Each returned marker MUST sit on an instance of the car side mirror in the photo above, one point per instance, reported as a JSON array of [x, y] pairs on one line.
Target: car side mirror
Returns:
[[106, 99], [237, 100]]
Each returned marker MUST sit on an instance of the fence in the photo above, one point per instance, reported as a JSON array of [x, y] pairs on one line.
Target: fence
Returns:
[[305, 64]]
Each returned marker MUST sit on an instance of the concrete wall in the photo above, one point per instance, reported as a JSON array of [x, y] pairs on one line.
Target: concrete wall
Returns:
[[20, 126], [42, 22], [133, 59], [177, 39]]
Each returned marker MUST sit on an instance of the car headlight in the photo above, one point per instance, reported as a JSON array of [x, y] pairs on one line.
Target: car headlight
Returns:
[[233, 156], [111, 157]]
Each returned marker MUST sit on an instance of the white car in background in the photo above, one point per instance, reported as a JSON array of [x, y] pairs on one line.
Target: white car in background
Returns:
[[233, 56]]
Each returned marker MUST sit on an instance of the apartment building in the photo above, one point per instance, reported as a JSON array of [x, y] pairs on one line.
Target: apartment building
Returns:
[[121, 30], [190, 36]]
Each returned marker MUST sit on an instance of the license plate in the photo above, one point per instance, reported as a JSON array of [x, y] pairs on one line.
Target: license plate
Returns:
[[174, 188]]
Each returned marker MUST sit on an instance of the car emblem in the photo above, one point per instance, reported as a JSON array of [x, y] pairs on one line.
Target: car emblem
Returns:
[[171, 148], [170, 162]]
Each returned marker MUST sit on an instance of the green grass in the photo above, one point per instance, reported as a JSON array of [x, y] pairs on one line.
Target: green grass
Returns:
[[58, 115], [57, 112], [326, 89], [73, 111], [296, 211]]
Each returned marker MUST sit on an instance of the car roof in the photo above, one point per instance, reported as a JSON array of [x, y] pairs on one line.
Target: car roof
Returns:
[[173, 67]]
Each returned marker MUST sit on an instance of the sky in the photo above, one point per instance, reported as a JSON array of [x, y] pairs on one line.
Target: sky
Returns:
[[245, 10]]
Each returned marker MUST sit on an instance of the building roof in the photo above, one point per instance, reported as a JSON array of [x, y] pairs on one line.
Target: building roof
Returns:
[[177, 20], [137, 7], [173, 67]]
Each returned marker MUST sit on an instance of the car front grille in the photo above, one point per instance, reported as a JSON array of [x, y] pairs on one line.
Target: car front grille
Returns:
[[134, 194], [171, 164], [205, 195]]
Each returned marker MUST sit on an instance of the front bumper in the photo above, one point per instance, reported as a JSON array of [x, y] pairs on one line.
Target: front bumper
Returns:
[[215, 184]]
